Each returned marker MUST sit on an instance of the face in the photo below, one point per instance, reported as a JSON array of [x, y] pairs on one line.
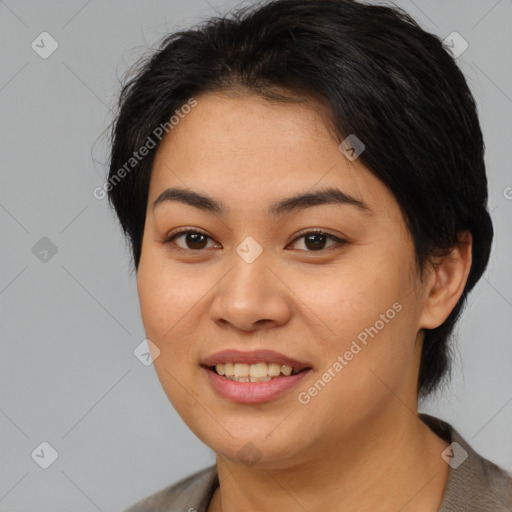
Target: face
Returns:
[[326, 285]]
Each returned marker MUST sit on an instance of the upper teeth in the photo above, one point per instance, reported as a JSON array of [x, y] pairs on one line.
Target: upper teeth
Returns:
[[258, 370]]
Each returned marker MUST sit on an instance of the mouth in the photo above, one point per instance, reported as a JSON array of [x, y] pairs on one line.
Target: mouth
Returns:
[[259, 372], [255, 376]]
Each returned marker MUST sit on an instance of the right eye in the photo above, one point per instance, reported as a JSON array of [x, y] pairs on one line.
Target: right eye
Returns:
[[193, 240]]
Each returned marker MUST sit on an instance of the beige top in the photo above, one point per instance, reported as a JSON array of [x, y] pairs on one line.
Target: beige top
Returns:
[[476, 485]]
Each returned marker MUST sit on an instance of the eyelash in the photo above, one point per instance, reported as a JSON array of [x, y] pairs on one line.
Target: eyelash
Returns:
[[170, 238]]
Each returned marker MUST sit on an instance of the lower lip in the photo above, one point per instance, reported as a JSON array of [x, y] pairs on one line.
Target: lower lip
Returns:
[[253, 392]]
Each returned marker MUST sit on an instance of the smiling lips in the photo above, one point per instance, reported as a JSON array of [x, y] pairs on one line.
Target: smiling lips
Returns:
[[257, 370]]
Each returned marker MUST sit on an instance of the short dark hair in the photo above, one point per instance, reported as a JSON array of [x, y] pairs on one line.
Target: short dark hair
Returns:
[[382, 77]]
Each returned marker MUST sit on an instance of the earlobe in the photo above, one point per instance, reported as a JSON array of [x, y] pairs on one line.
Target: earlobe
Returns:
[[446, 283]]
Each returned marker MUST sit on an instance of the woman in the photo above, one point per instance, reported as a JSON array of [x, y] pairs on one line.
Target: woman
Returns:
[[304, 190]]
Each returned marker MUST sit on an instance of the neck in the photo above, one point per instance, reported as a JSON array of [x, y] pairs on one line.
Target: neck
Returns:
[[392, 463]]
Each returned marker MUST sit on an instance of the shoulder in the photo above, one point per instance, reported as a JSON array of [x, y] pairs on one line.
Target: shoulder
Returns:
[[190, 494], [475, 484]]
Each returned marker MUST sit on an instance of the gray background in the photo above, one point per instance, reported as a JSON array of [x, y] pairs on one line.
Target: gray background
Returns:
[[69, 325]]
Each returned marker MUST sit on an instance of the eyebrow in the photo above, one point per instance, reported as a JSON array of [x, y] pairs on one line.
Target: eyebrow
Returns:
[[297, 202]]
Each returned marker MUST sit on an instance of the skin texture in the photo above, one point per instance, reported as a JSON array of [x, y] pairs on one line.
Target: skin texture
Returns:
[[357, 444]]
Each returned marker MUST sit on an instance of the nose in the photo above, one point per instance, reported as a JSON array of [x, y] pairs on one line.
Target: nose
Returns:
[[251, 296]]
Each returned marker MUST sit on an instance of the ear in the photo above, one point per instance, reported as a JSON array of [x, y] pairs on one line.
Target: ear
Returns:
[[446, 283]]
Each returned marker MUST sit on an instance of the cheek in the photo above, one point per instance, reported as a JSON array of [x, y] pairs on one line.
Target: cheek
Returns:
[[368, 316], [172, 307], [160, 310], [363, 372], [164, 294], [164, 303], [344, 299]]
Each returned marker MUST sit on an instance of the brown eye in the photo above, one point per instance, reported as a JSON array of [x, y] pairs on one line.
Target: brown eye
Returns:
[[315, 241], [193, 240]]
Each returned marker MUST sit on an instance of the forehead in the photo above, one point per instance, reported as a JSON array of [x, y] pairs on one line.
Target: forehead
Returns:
[[242, 146]]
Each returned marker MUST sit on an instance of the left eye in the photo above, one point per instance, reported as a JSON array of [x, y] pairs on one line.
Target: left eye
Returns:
[[195, 240], [316, 240]]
